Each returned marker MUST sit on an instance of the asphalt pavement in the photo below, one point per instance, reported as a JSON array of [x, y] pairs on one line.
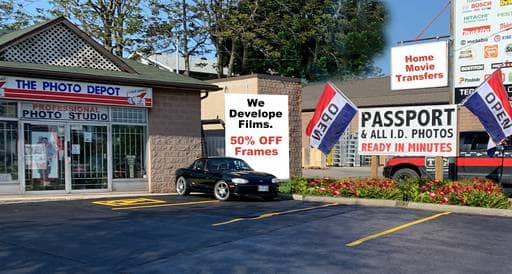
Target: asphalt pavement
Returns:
[[172, 234]]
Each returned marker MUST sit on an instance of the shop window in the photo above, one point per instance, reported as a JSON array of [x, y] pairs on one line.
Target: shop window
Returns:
[[128, 151], [129, 115], [8, 109], [8, 151]]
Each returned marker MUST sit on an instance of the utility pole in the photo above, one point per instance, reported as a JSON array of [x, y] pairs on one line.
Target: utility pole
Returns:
[[177, 54]]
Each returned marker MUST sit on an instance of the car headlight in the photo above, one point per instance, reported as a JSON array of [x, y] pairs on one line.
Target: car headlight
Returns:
[[239, 181], [275, 180]]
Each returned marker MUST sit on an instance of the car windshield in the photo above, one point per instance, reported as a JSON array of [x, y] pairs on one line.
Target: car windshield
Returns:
[[227, 164]]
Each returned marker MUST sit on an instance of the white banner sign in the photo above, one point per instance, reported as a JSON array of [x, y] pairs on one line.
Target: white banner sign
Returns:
[[257, 131], [67, 112], [74, 92], [408, 131], [419, 66], [482, 43]]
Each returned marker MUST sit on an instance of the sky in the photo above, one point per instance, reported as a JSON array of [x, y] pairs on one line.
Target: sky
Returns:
[[407, 20]]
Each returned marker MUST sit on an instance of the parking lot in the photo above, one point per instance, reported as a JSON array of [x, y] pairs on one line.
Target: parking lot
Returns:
[[172, 234]]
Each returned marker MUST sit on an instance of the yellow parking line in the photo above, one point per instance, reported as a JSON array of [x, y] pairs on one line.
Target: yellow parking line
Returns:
[[272, 214], [163, 205], [394, 229]]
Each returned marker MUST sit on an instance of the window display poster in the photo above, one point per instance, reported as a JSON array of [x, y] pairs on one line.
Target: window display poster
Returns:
[[42, 155]]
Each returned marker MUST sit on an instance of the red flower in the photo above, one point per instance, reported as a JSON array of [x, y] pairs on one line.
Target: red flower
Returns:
[[336, 193], [432, 195], [323, 189], [445, 200]]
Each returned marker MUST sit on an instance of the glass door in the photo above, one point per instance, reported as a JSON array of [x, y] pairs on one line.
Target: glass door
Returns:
[[44, 157], [89, 157]]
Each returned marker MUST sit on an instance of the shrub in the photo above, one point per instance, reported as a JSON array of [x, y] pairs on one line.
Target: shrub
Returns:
[[476, 192]]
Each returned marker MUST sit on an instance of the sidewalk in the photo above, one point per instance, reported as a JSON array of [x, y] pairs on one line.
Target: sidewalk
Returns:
[[51, 197]]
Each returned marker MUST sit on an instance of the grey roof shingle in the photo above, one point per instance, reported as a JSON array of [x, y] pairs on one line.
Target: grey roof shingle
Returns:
[[376, 92], [139, 74]]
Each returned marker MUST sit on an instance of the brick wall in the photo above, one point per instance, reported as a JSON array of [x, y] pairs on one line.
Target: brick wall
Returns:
[[467, 121], [291, 87], [174, 136]]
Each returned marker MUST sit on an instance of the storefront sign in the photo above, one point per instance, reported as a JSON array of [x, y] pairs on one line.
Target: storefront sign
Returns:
[[408, 131], [67, 112], [257, 131], [74, 92], [482, 43], [419, 66]]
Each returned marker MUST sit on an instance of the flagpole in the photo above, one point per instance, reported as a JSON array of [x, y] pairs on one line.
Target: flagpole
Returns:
[[502, 162]]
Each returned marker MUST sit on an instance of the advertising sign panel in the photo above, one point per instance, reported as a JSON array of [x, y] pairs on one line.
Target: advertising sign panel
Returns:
[[408, 131], [419, 66], [67, 112], [257, 131], [482, 43], [74, 92]]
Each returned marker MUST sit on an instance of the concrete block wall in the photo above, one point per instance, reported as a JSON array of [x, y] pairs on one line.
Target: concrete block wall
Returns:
[[293, 88], [174, 136], [467, 121]]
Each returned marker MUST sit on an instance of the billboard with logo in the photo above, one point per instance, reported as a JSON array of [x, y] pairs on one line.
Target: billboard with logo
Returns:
[[419, 66], [482, 43]]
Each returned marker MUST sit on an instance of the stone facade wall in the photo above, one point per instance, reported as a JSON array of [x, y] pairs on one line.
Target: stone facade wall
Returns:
[[293, 88], [174, 136]]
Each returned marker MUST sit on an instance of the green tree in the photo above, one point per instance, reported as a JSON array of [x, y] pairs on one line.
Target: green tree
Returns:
[[302, 38], [13, 15], [118, 24], [183, 24]]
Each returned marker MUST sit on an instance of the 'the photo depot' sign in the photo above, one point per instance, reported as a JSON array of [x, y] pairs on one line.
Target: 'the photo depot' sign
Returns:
[[419, 66], [408, 131], [257, 131], [74, 92]]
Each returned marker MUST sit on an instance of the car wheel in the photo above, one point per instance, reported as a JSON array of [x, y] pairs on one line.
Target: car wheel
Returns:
[[221, 191], [404, 174], [181, 186]]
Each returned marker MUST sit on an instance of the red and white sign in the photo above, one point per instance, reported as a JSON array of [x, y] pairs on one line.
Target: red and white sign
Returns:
[[74, 92], [257, 131], [419, 66], [408, 131]]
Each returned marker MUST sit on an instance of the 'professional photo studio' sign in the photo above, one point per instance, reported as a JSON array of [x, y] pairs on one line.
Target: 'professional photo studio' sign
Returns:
[[408, 131]]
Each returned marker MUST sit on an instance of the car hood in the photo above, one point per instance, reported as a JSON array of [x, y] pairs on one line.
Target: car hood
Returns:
[[248, 174]]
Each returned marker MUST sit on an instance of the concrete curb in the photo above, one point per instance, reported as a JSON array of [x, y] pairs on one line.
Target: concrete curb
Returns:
[[36, 198], [403, 204]]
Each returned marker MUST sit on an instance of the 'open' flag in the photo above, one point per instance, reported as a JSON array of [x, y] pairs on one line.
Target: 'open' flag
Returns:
[[333, 114], [489, 103]]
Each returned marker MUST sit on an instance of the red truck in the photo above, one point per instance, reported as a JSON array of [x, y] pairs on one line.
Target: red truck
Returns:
[[473, 161]]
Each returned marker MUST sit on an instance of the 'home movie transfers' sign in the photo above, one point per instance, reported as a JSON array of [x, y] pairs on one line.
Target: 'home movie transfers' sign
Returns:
[[257, 131], [408, 131]]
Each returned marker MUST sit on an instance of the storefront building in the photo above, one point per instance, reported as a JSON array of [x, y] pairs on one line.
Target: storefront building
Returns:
[[75, 118]]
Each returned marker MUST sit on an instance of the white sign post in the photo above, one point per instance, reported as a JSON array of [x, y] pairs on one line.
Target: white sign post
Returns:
[[419, 66], [408, 131], [257, 131]]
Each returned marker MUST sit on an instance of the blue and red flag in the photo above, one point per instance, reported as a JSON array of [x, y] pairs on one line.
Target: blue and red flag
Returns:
[[332, 116], [489, 103]]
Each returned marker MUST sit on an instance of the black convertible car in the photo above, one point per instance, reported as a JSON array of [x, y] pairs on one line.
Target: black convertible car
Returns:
[[225, 177]]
